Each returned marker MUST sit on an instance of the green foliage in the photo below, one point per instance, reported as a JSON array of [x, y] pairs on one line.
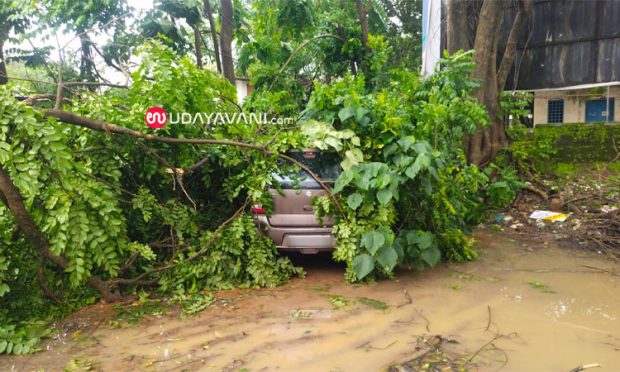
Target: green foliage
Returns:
[[547, 146], [504, 189], [80, 215], [112, 208], [119, 207], [409, 192], [516, 104], [241, 257]]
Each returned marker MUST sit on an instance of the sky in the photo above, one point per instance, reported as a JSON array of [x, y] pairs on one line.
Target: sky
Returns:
[[71, 44]]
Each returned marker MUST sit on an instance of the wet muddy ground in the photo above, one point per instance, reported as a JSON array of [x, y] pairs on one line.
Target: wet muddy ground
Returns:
[[522, 306]]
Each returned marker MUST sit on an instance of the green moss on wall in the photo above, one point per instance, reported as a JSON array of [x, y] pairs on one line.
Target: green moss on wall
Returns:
[[554, 147], [581, 143]]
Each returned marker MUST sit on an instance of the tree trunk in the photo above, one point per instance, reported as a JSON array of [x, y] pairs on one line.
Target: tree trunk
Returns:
[[216, 46], [363, 17], [510, 53], [13, 200], [482, 142], [86, 73], [457, 28], [226, 36], [482, 146], [3, 74], [197, 46]]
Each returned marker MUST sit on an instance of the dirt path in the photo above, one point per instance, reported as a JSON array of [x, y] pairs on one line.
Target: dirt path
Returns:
[[555, 309]]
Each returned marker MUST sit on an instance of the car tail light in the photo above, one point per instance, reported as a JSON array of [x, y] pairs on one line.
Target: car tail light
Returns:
[[257, 209]]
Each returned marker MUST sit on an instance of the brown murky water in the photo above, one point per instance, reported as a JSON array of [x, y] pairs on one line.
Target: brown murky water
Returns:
[[544, 309]]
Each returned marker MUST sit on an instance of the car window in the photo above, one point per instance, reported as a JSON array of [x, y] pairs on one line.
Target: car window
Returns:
[[326, 165]]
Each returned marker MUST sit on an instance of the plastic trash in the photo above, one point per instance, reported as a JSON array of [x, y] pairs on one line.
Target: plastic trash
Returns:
[[549, 216]]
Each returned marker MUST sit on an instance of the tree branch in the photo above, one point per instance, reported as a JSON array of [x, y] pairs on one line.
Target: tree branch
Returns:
[[215, 234], [98, 125], [13, 200], [510, 53], [300, 47]]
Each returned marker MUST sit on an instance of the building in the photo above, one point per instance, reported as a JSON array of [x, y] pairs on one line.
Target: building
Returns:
[[244, 88], [568, 55], [579, 104]]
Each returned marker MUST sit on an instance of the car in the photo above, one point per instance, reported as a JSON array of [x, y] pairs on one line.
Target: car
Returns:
[[292, 225]]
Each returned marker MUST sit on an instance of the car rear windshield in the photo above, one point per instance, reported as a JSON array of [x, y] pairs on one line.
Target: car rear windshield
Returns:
[[326, 165]]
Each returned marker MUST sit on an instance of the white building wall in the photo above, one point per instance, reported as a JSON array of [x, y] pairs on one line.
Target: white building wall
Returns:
[[574, 103]]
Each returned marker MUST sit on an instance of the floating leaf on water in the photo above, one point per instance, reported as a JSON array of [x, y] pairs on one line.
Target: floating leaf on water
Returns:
[[338, 301]]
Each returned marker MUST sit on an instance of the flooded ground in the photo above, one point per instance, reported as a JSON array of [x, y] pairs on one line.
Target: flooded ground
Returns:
[[522, 306]]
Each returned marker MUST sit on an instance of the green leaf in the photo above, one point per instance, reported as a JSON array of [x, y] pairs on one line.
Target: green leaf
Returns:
[[360, 112], [355, 156], [373, 168], [372, 241], [422, 147], [424, 160], [3, 344], [389, 149], [387, 257], [363, 265], [345, 113], [343, 180], [431, 256], [405, 142], [354, 200], [363, 182], [382, 180], [347, 133], [334, 142], [384, 196], [413, 170], [388, 234], [422, 239]]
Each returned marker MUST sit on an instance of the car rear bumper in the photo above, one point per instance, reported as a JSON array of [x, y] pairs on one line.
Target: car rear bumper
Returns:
[[297, 239]]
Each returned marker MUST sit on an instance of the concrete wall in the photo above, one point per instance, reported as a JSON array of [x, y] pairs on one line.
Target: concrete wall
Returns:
[[574, 104]]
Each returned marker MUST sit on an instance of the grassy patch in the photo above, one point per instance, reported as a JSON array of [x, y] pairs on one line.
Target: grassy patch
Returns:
[[375, 304], [542, 287]]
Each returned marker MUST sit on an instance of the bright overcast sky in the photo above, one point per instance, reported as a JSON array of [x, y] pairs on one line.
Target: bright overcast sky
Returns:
[[73, 44]]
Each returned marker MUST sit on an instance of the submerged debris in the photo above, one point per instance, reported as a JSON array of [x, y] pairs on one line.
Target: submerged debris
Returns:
[[432, 354]]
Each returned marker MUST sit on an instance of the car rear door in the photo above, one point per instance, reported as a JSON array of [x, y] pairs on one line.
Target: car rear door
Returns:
[[293, 207]]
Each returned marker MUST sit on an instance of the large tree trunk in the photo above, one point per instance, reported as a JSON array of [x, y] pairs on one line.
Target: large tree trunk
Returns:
[[216, 46], [3, 74], [510, 53], [197, 46], [226, 36], [363, 17], [88, 69], [482, 146], [456, 26], [10, 196]]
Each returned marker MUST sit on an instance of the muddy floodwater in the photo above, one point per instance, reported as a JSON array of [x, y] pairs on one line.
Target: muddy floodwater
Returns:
[[522, 306]]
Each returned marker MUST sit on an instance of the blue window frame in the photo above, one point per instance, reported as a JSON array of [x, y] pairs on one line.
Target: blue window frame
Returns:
[[555, 111]]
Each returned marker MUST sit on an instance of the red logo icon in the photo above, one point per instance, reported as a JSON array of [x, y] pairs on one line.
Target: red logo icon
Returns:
[[156, 117]]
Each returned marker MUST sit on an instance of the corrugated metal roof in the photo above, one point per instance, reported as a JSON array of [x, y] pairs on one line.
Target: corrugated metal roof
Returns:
[[568, 44]]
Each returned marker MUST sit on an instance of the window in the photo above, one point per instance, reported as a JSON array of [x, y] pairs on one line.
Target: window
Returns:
[[555, 112], [596, 110]]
